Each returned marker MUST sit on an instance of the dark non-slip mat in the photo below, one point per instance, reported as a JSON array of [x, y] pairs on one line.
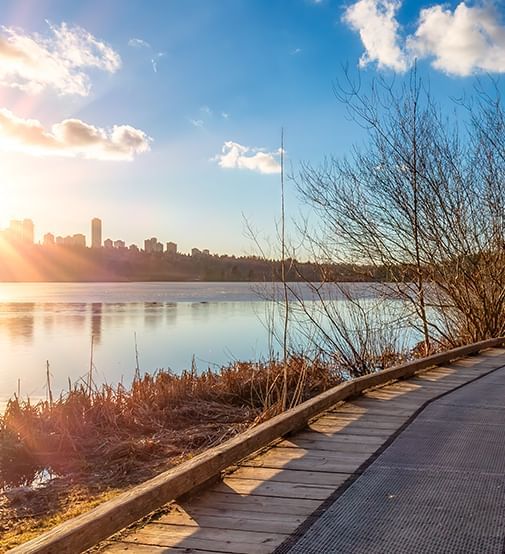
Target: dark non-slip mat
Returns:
[[439, 487]]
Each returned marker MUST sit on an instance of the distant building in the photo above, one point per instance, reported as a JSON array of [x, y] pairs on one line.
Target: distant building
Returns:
[[171, 248], [152, 246], [133, 248], [48, 239], [206, 252], [96, 233], [28, 230], [21, 230], [15, 230], [79, 240], [73, 240], [59, 240], [196, 252], [119, 244], [148, 247], [107, 243]]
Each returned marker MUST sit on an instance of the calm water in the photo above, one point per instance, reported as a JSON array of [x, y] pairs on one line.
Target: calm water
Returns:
[[215, 322]]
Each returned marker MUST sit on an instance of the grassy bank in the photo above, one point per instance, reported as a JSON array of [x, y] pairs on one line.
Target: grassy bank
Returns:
[[96, 443]]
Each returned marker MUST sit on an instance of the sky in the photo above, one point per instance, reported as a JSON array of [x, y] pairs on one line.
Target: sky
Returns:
[[164, 117]]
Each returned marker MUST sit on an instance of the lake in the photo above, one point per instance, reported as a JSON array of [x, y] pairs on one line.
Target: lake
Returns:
[[216, 323]]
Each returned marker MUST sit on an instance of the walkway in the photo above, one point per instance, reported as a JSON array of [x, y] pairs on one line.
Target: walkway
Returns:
[[365, 476]]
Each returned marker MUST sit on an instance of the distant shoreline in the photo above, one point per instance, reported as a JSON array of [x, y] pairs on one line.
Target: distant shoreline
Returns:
[[74, 265]]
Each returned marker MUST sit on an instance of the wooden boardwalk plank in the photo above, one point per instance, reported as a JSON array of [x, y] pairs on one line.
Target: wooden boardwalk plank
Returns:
[[223, 540], [389, 412], [377, 422], [327, 426], [317, 443], [275, 488], [130, 548], [233, 521], [373, 408], [231, 513], [251, 503], [286, 476], [362, 442], [312, 463]]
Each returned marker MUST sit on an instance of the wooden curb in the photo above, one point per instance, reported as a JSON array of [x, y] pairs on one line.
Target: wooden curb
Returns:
[[80, 533]]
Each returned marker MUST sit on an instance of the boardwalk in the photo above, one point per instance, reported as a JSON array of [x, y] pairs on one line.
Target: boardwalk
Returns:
[[414, 466]]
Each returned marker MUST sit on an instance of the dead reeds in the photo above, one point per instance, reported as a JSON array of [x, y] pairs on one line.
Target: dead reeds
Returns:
[[159, 416]]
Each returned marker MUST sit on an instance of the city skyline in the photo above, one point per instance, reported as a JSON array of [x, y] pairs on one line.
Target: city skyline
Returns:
[[171, 113], [23, 231]]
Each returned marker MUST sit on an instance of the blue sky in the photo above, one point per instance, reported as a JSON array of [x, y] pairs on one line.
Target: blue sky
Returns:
[[198, 91]]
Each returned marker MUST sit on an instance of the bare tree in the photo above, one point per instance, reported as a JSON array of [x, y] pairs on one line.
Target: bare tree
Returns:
[[424, 201]]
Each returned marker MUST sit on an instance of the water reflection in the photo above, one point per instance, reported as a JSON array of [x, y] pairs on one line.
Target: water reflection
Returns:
[[153, 314], [168, 335], [117, 311], [170, 313], [96, 322], [172, 322], [17, 320]]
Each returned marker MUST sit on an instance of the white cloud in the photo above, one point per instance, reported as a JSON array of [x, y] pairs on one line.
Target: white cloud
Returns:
[[197, 123], [58, 60], [377, 26], [225, 115], [295, 51], [138, 43], [154, 61], [237, 156], [71, 138], [462, 42], [206, 110]]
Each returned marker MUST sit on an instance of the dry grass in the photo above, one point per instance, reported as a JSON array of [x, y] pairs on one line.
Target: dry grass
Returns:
[[24, 516], [100, 442]]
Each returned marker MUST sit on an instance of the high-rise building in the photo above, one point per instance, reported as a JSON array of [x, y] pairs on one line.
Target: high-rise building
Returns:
[[16, 230], [21, 230], [148, 246], [79, 240], [119, 244], [171, 248], [73, 240], [28, 230], [153, 246], [48, 239], [96, 233]]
